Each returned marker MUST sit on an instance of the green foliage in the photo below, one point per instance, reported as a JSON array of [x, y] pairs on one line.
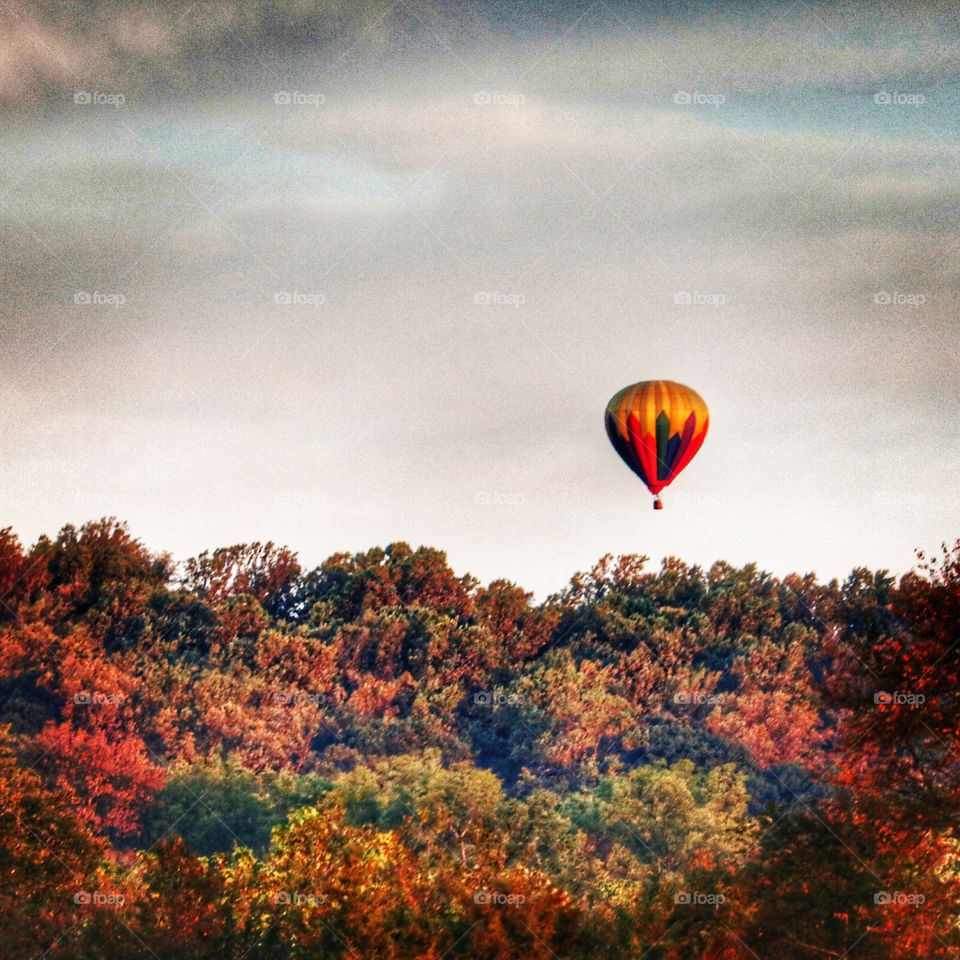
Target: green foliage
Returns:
[[379, 757], [218, 805]]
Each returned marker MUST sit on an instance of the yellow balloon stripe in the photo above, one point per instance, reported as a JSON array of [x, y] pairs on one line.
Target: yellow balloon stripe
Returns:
[[646, 400]]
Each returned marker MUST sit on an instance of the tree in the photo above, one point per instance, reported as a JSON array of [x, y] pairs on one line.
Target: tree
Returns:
[[260, 570], [106, 770], [217, 805], [896, 763], [773, 712], [48, 859]]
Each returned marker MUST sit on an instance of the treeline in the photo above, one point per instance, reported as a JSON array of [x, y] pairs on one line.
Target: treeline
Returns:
[[235, 757]]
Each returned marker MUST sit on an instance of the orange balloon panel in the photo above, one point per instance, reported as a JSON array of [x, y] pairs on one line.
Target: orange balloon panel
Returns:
[[657, 427]]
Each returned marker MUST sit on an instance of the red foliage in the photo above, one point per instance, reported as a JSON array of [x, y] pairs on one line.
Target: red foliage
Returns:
[[106, 769]]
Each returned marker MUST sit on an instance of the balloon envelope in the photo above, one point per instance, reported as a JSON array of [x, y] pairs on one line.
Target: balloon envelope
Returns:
[[657, 427]]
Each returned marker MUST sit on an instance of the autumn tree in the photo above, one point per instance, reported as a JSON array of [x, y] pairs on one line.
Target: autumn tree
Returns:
[[48, 858]]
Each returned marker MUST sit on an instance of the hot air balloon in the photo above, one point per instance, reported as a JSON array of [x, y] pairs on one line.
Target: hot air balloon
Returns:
[[657, 427]]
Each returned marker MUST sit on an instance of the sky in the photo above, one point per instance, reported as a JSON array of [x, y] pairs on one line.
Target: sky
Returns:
[[336, 276]]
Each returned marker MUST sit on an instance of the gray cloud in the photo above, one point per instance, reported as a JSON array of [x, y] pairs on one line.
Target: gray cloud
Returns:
[[484, 275], [49, 49]]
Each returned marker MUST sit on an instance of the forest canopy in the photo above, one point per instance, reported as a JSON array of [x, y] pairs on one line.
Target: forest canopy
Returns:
[[236, 757]]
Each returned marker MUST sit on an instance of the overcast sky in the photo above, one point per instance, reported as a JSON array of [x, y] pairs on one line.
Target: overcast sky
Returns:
[[339, 280]]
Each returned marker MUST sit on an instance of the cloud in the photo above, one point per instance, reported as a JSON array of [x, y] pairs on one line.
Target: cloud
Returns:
[[49, 49], [491, 193], [763, 55], [485, 272]]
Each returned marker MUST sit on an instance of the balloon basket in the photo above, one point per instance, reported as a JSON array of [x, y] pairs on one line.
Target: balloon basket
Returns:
[[658, 504]]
